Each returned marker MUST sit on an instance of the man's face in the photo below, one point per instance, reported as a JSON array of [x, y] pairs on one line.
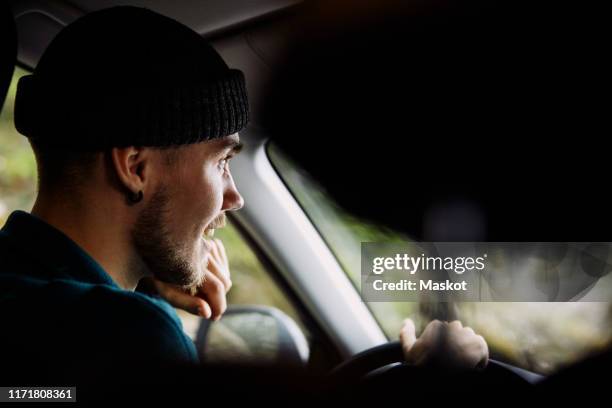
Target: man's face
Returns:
[[192, 195]]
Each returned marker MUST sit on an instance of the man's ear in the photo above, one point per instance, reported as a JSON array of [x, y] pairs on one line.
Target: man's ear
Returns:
[[131, 165]]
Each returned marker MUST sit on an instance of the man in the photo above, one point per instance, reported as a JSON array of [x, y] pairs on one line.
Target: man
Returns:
[[133, 119], [133, 132]]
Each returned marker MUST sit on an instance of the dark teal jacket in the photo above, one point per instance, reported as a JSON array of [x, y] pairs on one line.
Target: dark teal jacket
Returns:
[[62, 314]]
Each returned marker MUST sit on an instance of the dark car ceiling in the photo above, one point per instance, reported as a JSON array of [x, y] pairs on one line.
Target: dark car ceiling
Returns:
[[39, 21], [203, 16], [456, 120]]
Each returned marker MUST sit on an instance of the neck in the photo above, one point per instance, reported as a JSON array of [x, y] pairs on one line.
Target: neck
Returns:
[[86, 222]]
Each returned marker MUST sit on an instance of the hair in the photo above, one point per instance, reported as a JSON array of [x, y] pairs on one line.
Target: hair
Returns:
[[62, 169]]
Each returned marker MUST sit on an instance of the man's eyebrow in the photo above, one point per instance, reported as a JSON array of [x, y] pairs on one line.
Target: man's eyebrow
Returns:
[[237, 147], [233, 145]]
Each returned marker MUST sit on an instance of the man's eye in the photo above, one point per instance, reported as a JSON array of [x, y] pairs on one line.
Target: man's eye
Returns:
[[224, 164]]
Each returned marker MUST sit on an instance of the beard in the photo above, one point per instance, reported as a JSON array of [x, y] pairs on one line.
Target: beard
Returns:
[[166, 259]]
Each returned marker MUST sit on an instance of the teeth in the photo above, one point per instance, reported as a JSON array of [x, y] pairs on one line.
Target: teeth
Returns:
[[209, 233]]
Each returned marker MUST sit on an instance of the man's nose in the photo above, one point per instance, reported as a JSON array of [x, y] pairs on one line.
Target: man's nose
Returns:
[[232, 200]]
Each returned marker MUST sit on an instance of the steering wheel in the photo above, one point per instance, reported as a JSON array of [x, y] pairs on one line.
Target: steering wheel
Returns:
[[377, 360]]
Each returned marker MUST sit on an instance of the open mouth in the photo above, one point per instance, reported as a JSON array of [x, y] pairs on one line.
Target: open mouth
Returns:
[[218, 222]]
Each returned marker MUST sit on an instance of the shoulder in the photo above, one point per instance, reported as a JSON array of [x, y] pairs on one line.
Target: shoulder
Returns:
[[130, 326], [130, 303], [142, 321]]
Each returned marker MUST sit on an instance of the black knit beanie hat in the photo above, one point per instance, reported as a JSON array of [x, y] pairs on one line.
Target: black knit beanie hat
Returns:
[[126, 76]]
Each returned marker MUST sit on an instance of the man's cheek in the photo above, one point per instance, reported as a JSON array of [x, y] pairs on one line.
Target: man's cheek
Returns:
[[209, 205], [214, 194]]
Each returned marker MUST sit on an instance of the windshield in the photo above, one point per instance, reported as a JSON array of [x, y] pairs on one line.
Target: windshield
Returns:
[[541, 337]]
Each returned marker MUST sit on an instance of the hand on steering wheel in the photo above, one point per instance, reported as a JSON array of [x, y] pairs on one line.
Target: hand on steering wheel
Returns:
[[444, 344], [441, 346]]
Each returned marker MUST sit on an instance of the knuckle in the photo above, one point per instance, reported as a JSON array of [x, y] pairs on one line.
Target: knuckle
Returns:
[[456, 325], [215, 286], [436, 323], [482, 343], [220, 243]]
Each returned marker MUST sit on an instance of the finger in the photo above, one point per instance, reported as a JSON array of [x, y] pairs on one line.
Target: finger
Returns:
[[179, 299], [218, 257], [434, 333], [433, 327], [207, 243], [485, 353], [419, 354], [213, 291], [204, 310], [407, 335], [220, 273], [222, 251], [455, 324], [214, 249], [408, 328], [427, 343], [210, 247]]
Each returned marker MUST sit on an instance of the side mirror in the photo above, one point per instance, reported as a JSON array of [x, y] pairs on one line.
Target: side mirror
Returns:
[[254, 334]]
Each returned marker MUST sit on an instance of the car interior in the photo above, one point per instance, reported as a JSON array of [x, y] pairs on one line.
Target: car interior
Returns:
[[316, 189]]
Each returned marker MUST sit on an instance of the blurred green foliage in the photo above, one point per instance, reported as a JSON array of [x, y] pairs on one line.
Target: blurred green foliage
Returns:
[[17, 165]]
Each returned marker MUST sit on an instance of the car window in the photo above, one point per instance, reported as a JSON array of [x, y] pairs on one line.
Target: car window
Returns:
[[17, 165], [252, 283], [541, 337]]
